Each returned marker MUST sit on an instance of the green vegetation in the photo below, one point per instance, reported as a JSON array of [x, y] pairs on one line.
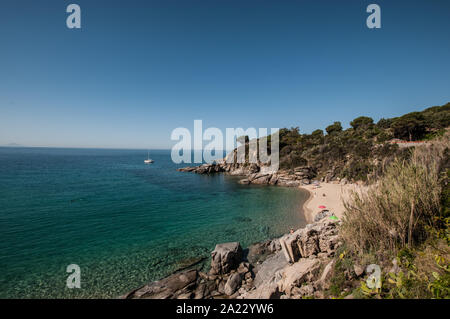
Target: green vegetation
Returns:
[[402, 203], [403, 217], [401, 223], [360, 152]]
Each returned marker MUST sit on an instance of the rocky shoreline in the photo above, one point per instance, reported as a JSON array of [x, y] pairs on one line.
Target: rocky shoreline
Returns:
[[254, 174], [257, 173], [294, 266]]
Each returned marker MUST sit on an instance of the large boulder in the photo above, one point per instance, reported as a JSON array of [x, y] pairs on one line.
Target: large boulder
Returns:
[[225, 257], [178, 285], [303, 291], [232, 284], [273, 180], [259, 178], [315, 238], [268, 290], [305, 270], [325, 277], [308, 243], [267, 275], [267, 270], [289, 247]]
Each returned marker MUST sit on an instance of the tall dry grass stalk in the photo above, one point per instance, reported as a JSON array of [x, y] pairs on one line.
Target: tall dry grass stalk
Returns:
[[394, 211]]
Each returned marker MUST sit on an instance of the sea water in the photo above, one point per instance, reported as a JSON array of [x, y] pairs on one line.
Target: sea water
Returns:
[[124, 223]]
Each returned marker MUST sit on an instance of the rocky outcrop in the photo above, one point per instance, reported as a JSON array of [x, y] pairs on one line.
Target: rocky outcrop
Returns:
[[194, 284], [225, 257], [265, 284], [258, 252], [255, 173], [317, 238], [232, 284], [294, 268], [324, 281], [178, 285], [303, 271], [266, 270], [288, 267]]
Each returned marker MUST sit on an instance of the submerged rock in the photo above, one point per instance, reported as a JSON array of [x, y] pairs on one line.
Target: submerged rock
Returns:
[[287, 267], [174, 286]]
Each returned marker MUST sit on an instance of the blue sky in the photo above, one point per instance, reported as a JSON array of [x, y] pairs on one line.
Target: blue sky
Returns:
[[139, 69]]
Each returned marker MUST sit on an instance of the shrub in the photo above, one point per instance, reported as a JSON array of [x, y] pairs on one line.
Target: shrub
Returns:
[[361, 122], [334, 128], [384, 123], [394, 212], [411, 126]]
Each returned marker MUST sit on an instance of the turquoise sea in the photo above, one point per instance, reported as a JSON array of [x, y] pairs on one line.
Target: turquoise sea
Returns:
[[123, 222]]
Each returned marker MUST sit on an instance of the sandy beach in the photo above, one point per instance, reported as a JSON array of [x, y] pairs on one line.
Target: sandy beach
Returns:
[[330, 195]]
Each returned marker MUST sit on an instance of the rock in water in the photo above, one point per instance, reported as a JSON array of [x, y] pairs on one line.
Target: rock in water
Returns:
[[225, 257], [174, 286]]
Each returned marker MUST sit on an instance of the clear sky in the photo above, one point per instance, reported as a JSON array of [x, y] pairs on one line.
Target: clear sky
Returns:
[[138, 69]]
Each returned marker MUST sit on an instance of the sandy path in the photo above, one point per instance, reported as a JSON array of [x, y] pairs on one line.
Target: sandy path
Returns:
[[333, 200]]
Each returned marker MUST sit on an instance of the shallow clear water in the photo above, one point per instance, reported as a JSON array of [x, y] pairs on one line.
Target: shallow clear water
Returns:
[[123, 222]]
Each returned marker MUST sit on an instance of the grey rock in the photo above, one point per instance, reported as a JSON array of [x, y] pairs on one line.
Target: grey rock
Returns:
[[295, 275], [200, 291], [226, 257], [289, 244], [303, 291], [232, 284], [258, 252], [273, 180], [358, 269], [288, 182], [221, 287], [274, 245], [324, 281], [267, 290], [308, 243], [261, 178], [268, 269], [169, 287]]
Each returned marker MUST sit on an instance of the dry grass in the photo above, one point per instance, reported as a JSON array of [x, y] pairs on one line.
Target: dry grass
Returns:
[[393, 213]]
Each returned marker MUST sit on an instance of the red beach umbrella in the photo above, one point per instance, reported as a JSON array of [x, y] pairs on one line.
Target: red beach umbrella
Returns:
[[322, 207]]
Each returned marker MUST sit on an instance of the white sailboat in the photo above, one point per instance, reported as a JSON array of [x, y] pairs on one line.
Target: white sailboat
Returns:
[[148, 160]]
